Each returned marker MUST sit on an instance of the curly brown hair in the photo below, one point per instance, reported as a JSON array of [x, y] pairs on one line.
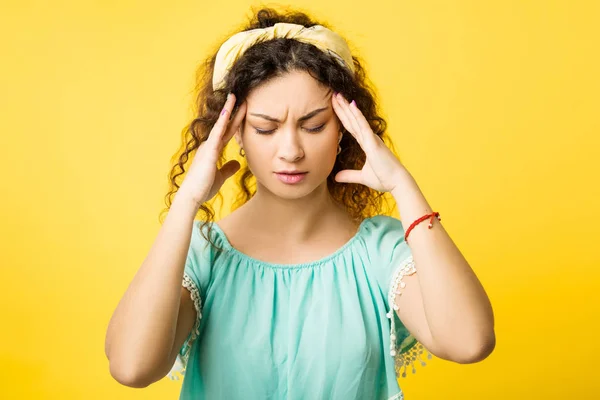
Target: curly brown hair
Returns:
[[264, 61]]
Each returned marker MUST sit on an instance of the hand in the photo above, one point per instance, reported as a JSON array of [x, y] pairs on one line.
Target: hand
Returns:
[[382, 170], [203, 180]]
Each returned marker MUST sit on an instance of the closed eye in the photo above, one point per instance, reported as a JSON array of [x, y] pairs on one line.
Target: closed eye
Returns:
[[267, 132], [317, 129], [261, 132]]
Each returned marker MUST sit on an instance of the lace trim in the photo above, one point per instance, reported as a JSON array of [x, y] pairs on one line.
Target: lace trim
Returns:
[[408, 358], [403, 358], [397, 396], [181, 361]]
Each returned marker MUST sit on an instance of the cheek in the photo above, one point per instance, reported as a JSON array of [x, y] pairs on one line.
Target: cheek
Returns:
[[328, 142], [258, 154], [257, 148]]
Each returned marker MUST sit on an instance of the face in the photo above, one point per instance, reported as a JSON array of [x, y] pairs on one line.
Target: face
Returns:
[[290, 125]]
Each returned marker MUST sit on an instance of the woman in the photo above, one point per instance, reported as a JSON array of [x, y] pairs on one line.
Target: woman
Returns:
[[306, 291]]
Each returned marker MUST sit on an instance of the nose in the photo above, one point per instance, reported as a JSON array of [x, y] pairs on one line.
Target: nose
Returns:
[[290, 146]]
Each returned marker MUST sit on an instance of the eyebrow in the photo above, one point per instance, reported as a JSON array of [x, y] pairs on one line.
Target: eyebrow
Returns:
[[303, 118]]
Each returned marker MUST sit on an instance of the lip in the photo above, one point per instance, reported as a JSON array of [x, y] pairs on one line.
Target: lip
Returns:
[[291, 172], [291, 178]]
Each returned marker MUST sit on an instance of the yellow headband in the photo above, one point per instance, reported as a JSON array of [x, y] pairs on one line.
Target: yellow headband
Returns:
[[323, 38]]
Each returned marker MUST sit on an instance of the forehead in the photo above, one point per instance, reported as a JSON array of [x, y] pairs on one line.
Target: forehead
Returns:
[[295, 90]]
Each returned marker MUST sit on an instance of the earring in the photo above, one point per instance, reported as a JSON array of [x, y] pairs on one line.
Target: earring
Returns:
[[242, 152]]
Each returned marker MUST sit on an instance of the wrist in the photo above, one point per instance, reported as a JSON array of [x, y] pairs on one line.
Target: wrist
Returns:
[[411, 202], [186, 201], [405, 184]]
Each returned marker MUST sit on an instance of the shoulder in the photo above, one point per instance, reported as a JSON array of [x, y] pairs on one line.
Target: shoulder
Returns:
[[205, 239], [205, 248], [383, 225], [386, 247], [384, 236]]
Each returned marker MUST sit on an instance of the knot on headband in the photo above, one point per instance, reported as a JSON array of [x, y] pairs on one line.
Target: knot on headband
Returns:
[[318, 35]]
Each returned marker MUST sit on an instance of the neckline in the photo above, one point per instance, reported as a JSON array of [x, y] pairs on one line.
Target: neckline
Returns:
[[309, 264]]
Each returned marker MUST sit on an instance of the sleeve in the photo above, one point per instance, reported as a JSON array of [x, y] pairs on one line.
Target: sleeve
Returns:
[[395, 261], [196, 275]]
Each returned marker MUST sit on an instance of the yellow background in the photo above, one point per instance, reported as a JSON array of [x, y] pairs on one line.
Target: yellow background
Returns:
[[494, 110]]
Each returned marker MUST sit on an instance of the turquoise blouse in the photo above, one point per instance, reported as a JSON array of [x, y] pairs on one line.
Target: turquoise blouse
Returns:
[[317, 330]]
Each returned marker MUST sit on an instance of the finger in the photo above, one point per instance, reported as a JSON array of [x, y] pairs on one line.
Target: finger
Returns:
[[220, 126], [342, 115], [225, 172], [350, 117], [348, 176], [234, 125], [365, 128], [345, 105], [229, 169]]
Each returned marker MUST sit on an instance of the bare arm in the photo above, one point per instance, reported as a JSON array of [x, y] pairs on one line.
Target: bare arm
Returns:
[[443, 305], [155, 314]]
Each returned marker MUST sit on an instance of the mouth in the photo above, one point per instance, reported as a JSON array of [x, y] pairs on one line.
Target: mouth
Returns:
[[291, 177]]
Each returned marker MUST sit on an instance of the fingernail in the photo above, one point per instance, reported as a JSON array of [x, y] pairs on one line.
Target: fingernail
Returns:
[[224, 111], [353, 103], [228, 95]]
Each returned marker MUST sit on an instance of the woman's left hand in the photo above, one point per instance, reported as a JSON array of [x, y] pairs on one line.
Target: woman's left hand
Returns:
[[382, 170]]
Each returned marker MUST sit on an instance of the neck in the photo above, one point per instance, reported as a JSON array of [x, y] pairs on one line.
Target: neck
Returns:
[[295, 219]]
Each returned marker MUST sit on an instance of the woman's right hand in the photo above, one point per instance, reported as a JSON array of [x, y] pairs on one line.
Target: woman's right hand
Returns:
[[203, 180]]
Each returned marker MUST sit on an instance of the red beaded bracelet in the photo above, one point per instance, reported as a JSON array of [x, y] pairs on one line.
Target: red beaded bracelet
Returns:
[[423, 218]]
